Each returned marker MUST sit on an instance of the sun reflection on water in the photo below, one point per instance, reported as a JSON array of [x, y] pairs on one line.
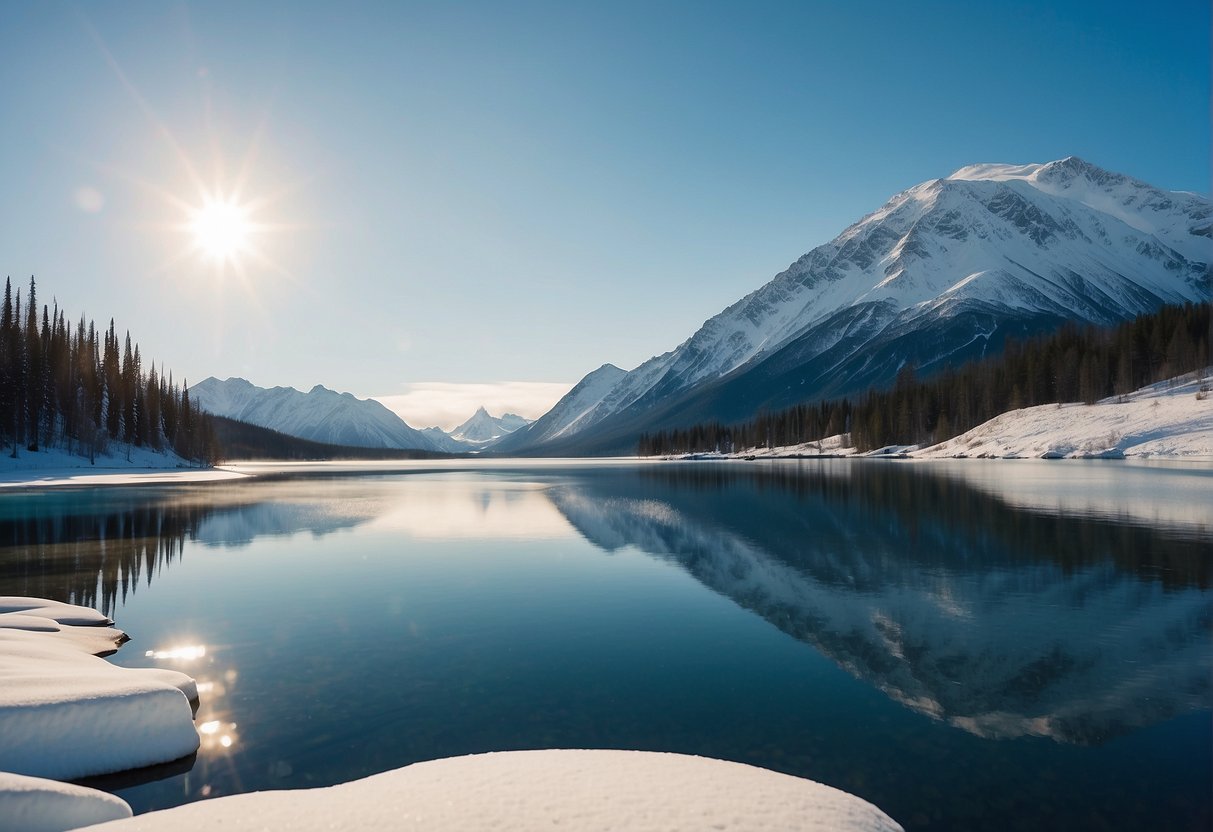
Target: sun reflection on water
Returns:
[[180, 652]]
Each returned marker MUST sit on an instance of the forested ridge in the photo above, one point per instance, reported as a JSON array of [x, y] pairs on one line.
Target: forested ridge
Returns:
[[1072, 364], [86, 391]]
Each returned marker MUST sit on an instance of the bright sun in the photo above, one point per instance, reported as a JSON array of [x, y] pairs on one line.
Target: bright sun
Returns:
[[221, 229]]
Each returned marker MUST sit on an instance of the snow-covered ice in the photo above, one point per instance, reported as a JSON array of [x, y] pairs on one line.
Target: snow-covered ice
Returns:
[[526, 790], [66, 713], [34, 804]]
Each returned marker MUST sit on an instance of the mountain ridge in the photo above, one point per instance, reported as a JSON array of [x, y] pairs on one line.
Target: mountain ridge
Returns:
[[320, 415], [481, 428], [943, 271]]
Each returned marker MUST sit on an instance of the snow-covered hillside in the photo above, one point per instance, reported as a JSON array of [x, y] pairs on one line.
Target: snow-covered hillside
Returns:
[[321, 415], [940, 273], [1168, 419]]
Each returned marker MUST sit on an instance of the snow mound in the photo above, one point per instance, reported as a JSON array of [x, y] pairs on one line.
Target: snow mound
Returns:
[[32, 804], [54, 611], [1172, 419], [65, 713], [525, 790]]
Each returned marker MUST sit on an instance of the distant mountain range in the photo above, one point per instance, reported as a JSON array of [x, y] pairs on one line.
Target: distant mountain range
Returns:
[[481, 429], [340, 419], [942, 273]]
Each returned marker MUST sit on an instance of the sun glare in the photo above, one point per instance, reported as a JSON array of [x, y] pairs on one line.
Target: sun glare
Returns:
[[221, 229]]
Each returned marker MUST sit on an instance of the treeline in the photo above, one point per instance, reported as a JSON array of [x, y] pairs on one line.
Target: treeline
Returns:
[[1073, 364], [241, 440], [85, 390]]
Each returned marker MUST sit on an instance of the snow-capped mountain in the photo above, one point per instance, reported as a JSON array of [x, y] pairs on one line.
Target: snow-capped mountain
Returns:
[[482, 428], [943, 272], [321, 415]]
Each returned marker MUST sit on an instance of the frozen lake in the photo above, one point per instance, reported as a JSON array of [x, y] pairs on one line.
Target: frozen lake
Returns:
[[978, 645]]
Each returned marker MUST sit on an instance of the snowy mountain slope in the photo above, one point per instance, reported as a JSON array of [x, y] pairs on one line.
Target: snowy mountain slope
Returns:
[[481, 428], [577, 407], [942, 272], [321, 415]]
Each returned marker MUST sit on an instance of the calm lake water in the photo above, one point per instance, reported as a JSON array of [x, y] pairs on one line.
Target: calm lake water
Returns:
[[1004, 645]]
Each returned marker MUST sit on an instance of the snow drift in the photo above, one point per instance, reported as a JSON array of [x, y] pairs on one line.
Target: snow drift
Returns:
[[65, 713], [527, 790]]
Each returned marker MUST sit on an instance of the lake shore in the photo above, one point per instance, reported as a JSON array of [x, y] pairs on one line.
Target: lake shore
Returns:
[[56, 468], [1169, 420]]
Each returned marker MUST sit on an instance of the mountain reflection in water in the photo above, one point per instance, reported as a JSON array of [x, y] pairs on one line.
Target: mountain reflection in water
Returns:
[[999, 620]]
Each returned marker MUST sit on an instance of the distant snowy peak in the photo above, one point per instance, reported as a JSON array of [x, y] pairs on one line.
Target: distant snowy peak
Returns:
[[483, 427], [321, 414], [939, 267]]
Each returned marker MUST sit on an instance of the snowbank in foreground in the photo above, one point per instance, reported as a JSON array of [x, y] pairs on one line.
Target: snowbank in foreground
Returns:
[[32, 804], [56, 467], [1165, 419], [526, 790], [65, 713]]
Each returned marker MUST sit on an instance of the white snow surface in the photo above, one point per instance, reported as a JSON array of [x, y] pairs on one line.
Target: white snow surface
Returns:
[[321, 415], [52, 613], [1169, 419], [34, 804], [527, 790], [56, 467], [65, 713], [1064, 239]]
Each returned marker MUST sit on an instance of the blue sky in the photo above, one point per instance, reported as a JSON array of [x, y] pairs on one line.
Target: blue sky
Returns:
[[459, 193]]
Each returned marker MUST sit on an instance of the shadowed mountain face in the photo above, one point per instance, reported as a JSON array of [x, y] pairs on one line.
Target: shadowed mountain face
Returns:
[[999, 621]]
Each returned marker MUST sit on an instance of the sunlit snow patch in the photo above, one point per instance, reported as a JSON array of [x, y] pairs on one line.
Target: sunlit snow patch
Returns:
[[525, 790], [66, 713], [33, 804]]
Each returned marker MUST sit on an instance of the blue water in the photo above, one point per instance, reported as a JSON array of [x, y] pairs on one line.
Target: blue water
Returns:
[[997, 646]]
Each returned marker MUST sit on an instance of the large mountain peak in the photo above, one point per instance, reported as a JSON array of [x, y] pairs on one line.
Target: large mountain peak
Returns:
[[943, 271]]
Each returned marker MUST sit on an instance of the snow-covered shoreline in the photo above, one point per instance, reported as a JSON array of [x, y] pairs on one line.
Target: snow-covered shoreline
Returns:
[[65, 713], [56, 468], [1168, 420]]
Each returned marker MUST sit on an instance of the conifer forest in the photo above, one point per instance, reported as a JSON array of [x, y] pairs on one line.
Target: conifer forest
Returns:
[[88, 391]]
